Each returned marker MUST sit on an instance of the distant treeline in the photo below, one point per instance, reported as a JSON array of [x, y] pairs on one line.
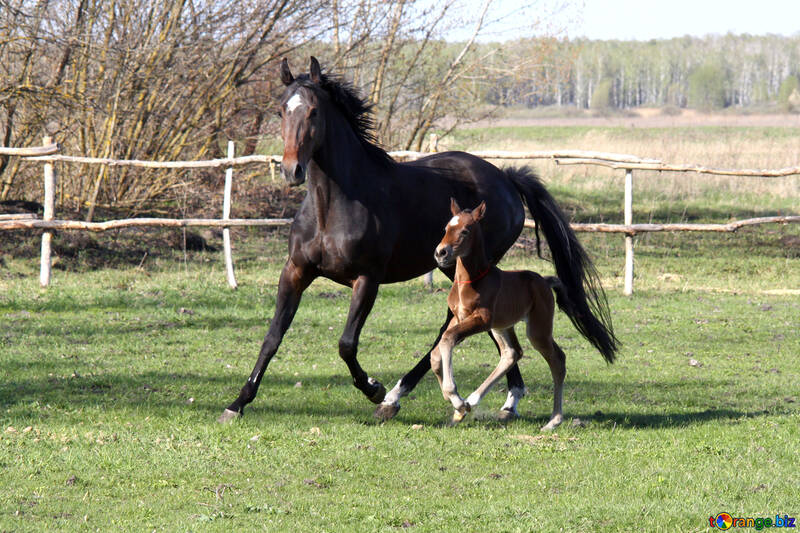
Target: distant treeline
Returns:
[[707, 72]]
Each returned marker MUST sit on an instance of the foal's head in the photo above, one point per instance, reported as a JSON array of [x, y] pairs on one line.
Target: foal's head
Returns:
[[460, 234]]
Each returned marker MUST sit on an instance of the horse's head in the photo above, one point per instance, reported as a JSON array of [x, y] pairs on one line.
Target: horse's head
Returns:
[[459, 234], [302, 124]]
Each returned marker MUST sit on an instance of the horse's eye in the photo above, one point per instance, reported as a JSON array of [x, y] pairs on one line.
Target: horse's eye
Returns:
[[312, 113]]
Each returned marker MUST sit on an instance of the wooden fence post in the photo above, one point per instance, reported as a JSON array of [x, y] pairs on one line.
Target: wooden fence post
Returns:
[[433, 143], [628, 238], [433, 146], [226, 215], [49, 214]]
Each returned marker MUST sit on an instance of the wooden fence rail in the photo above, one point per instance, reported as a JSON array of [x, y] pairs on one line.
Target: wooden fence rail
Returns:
[[26, 221], [98, 227], [48, 148], [47, 154]]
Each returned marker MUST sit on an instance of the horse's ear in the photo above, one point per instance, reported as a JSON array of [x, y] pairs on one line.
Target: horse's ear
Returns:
[[286, 74], [479, 211], [316, 71], [454, 207]]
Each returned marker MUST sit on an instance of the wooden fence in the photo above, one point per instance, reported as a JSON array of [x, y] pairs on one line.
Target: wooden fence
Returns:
[[47, 155]]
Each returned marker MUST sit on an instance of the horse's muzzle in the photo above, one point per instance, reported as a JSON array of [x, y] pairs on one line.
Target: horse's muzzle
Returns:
[[293, 173], [444, 256]]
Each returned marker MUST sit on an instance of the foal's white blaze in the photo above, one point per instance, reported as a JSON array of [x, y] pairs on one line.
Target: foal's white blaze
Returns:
[[294, 102], [454, 221]]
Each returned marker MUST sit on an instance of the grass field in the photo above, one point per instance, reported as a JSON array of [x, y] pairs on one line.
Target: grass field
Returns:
[[112, 380]]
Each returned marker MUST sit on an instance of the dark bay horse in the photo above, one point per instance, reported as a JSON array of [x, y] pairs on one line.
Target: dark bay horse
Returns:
[[367, 220], [485, 298]]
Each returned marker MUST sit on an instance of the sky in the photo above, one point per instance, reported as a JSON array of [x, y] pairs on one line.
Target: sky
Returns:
[[644, 19]]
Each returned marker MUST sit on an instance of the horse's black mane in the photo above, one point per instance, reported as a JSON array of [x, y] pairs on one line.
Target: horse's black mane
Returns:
[[355, 110]]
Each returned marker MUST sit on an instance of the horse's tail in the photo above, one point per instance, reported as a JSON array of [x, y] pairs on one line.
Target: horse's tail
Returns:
[[579, 293]]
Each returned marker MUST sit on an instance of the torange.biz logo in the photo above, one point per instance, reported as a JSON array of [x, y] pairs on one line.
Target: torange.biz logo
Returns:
[[727, 521]]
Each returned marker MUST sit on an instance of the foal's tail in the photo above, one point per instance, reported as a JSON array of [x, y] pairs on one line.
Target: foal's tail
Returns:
[[578, 293]]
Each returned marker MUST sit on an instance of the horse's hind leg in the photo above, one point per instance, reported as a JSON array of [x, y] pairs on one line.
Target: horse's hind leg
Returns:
[[510, 353], [294, 280], [516, 391], [391, 402], [365, 291]]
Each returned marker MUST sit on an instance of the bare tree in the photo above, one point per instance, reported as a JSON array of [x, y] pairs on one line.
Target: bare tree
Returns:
[[135, 79], [146, 80], [404, 56]]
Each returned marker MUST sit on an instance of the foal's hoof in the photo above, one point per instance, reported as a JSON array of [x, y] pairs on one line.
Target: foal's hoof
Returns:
[[456, 418], [227, 416], [459, 415], [386, 411], [507, 415], [377, 392]]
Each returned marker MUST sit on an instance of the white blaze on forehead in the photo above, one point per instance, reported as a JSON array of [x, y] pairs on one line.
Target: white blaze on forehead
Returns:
[[454, 221], [294, 102]]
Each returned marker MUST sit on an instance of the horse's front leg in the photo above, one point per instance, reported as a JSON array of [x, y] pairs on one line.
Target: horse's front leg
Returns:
[[293, 281], [365, 290], [391, 403]]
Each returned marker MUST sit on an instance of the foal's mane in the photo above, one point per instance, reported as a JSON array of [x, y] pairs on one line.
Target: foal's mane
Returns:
[[354, 109]]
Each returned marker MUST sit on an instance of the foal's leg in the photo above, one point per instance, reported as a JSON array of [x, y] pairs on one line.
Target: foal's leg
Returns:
[[436, 364], [510, 353], [294, 280], [540, 333], [456, 332], [365, 290], [556, 358], [391, 403]]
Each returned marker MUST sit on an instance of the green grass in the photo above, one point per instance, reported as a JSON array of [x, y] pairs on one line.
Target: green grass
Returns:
[[112, 393]]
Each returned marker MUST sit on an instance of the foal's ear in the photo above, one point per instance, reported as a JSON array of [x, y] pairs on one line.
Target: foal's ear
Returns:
[[286, 74], [315, 71], [454, 206], [479, 211]]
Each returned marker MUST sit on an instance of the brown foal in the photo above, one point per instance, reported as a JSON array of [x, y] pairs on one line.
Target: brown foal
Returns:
[[486, 298]]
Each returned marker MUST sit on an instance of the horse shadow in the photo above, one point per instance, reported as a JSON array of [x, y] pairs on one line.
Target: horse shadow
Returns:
[[331, 396]]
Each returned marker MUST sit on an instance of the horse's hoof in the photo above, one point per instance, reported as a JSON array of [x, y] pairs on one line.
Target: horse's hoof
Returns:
[[386, 411], [380, 392], [553, 423], [507, 415], [457, 417], [227, 416]]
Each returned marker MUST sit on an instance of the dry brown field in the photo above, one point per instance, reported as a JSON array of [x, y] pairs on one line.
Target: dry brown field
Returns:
[[718, 140]]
